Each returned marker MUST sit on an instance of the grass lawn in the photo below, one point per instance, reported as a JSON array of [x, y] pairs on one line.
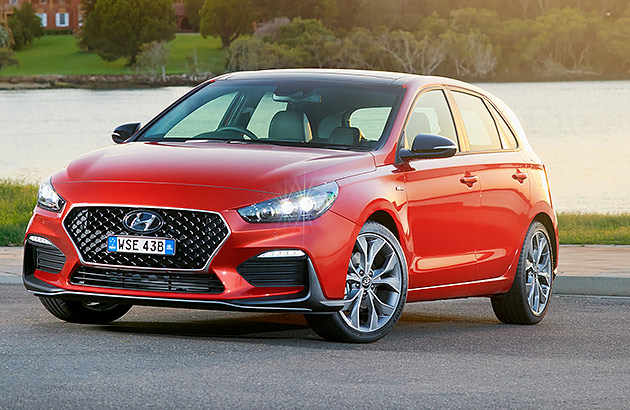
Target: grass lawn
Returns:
[[589, 228], [61, 55], [17, 201], [16, 205]]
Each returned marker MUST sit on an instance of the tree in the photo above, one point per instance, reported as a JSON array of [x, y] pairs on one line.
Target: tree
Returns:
[[118, 28], [565, 42], [24, 25], [153, 58], [6, 37], [7, 58], [193, 7], [227, 19], [315, 44]]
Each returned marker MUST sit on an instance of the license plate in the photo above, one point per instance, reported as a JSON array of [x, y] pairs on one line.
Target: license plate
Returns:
[[135, 244]]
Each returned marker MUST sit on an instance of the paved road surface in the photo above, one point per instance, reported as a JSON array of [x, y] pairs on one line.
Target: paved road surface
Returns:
[[451, 354]]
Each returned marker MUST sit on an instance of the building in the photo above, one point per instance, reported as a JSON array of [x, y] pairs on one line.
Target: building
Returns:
[[66, 14], [54, 14]]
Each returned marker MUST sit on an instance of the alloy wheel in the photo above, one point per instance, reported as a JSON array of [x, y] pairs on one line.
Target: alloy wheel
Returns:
[[373, 284], [538, 271]]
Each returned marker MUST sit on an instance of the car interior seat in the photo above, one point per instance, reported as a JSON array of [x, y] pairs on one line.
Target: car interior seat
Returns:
[[290, 126]]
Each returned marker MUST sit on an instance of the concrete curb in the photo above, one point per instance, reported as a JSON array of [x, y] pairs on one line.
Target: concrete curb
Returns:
[[592, 285], [10, 280]]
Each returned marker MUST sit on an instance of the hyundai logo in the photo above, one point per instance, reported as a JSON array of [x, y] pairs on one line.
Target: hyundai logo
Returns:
[[143, 221]]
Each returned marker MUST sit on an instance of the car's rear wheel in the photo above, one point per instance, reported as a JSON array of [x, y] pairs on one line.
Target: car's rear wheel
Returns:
[[528, 299], [84, 312], [376, 290]]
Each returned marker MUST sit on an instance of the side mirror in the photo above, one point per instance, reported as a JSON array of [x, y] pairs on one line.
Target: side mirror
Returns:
[[123, 132], [429, 146]]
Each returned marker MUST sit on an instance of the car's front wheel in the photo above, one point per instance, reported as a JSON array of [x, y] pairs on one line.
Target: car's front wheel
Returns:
[[528, 299], [376, 290], [84, 312]]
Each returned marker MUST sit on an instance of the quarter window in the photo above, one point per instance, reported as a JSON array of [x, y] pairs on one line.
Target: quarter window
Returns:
[[480, 127], [431, 115], [506, 132]]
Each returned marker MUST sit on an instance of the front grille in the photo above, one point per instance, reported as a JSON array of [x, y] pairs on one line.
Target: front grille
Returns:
[[197, 234], [274, 272], [155, 282]]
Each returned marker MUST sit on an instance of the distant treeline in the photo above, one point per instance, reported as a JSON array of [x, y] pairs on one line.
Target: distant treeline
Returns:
[[471, 39]]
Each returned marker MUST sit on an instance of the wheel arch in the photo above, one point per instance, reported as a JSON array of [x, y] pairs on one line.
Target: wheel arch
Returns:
[[546, 220], [384, 218]]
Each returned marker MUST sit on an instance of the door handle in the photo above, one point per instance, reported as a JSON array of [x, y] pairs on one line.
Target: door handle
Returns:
[[469, 180], [519, 176]]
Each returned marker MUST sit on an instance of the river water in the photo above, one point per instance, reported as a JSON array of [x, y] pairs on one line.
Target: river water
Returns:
[[580, 129]]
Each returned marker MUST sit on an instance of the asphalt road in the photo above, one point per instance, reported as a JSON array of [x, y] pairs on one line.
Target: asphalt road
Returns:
[[448, 354]]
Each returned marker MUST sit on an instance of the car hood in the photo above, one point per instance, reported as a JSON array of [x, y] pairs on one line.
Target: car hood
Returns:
[[262, 168]]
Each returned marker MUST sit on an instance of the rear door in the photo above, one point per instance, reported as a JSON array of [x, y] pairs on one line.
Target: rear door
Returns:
[[503, 181], [443, 200]]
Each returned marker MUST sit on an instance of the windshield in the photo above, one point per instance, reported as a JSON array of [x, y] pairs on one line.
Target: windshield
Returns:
[[335, 115]]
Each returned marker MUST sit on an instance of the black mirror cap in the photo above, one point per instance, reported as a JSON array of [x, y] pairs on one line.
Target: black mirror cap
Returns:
[[124, 132], [429, 146]]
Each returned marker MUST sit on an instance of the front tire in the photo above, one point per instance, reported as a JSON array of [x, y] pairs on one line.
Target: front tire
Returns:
[[376, 290], [95, 313], [527, 300]]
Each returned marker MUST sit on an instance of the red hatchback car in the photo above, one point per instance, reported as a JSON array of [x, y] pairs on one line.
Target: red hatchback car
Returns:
[[334, 193]]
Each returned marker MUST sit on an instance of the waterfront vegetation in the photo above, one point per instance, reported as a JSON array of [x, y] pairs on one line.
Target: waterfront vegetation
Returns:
[[18, 199], [592, 228], [51, 55]]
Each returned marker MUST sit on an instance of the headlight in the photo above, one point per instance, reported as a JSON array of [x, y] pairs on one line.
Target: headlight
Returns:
[[298, 206], [48, 199]]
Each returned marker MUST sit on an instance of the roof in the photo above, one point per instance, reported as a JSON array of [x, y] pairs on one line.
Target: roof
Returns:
[[340, 75]]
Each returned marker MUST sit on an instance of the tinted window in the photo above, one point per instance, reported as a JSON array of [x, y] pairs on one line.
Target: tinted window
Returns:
[[264, 112], [371, 121], [431, 115], [506, 131], [205, 118], [481, 129], [220, 110]]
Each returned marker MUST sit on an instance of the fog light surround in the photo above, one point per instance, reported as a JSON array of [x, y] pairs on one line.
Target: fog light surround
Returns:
[[285, 253]]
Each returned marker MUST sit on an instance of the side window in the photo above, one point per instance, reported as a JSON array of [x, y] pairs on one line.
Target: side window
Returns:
[[482, 131], [263, 113], [506, 132], [204, 119], [431, 115], [371, 121]]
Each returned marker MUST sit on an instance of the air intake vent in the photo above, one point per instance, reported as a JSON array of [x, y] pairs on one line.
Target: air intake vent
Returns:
[[274, 272], [154, 282]]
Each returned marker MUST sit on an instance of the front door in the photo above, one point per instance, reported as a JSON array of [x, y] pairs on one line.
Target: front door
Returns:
[[443, 202]]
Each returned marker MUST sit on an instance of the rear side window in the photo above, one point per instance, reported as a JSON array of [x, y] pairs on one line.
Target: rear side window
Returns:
[[506, 131], [480, 126], [431, 115]]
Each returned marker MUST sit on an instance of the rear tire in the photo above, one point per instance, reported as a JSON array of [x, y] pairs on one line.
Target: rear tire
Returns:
[[527, 300], [84, 312], [376, 290]]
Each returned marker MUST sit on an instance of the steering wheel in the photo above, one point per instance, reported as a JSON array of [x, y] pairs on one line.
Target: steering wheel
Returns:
[[242, 130]]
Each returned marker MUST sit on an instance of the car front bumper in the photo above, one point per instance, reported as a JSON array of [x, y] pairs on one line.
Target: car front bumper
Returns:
[[326, 243]]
